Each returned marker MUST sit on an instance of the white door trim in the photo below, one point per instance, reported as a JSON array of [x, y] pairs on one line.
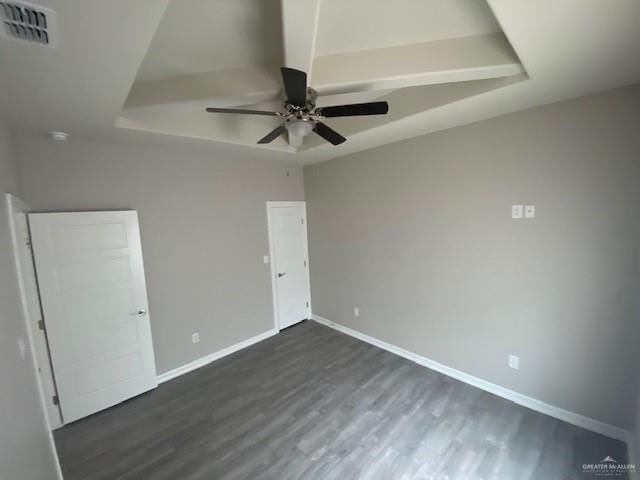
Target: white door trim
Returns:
[[274, 286], [14, 204]]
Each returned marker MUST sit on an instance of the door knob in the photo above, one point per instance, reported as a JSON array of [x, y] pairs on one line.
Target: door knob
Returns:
[[280, 275], [142, 312]]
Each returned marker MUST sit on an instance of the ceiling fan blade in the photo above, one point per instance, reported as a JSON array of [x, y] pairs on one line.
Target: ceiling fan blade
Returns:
[[295, 86], [273, 134], [371, 108], [329, 134], [246, 112]]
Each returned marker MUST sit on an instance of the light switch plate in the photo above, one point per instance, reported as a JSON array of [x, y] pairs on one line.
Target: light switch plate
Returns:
[[530, 211], [516, 211]]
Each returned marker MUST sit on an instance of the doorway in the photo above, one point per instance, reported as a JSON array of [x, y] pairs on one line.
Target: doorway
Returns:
[[288, 250], [31, 311]]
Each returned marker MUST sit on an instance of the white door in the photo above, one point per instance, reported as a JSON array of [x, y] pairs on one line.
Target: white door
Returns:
[[289, 262], [94, 300]]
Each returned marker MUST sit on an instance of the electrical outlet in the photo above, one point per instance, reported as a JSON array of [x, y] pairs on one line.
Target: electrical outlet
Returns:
[[22, 348], [195, 337], [356, 312], [516, 211], [514, 362], [265, 259], [530, 211]]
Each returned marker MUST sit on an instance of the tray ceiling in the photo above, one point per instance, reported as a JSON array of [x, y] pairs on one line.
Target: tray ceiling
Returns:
[[148, 69], [227, 53]]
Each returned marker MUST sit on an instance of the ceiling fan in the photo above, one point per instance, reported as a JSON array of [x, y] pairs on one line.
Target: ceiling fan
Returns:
[[301, 116]]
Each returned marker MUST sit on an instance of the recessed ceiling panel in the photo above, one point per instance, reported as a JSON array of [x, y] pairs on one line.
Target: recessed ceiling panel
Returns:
[[204, 35], [354, 25]]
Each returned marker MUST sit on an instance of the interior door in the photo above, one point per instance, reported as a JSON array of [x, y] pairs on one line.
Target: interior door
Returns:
[[94, 300], [289, 262]]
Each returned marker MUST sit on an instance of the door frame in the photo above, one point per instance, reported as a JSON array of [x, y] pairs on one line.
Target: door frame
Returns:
[[29, 293], [271, 205]]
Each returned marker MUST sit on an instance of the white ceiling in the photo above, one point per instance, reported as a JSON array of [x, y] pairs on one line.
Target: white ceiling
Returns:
[[230, 51], [80, 85], [154, 65], [207, 35], [347, 26]]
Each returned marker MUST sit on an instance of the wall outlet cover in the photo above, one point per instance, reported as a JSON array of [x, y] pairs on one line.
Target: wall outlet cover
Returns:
[[356, 312], [530, 211], [195, 337]]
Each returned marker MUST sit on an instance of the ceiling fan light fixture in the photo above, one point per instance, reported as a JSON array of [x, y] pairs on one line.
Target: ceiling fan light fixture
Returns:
[[299, 127]]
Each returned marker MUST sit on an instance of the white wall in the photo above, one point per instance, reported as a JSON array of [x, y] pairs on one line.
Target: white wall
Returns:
[[203, 225], [24, 444], [418, 235]]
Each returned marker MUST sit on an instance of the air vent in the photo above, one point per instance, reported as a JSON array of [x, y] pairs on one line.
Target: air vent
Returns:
[[31, 23]]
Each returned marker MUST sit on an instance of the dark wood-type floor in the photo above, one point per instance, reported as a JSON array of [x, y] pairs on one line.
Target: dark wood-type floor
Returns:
[[312, 403]]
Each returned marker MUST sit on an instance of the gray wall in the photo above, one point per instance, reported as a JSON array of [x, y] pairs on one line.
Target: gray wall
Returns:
[[203, 225], [25, 453], [418, 235]]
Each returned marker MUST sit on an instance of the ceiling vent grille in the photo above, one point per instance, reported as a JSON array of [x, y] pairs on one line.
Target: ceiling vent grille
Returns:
[[31, 23]]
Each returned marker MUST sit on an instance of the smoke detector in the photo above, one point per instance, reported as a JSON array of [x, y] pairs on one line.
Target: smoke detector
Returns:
[[58, 136], [27, 22]]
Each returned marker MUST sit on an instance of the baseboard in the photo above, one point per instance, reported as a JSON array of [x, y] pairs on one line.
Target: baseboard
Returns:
[[633, 459], [201, 362], [537, 405]]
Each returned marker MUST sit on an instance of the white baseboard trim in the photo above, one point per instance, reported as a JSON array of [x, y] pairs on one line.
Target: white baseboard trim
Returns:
[[537, 405], [633, 458], [201, 362]]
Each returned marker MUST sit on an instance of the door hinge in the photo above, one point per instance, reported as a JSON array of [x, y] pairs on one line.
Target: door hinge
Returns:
[[305, 263], [302, 221], [55, 400], [307, 304], [28, 242], [41, 325]]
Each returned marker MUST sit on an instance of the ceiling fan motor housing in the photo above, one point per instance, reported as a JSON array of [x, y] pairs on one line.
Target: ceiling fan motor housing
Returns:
[[312, 96]]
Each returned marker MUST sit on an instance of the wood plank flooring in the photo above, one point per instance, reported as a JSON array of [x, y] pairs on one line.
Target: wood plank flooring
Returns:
[[312, 403]]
